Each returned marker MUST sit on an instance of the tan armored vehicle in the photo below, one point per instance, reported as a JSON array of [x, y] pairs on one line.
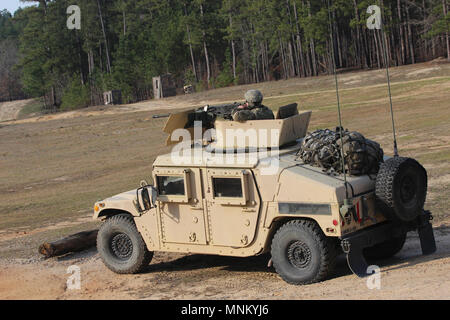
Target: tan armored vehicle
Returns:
[[243, 191]]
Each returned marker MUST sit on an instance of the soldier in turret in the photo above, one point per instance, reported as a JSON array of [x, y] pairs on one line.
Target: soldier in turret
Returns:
[[252, 109]]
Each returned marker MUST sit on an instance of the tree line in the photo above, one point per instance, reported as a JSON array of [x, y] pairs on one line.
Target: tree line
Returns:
[[123, 44]]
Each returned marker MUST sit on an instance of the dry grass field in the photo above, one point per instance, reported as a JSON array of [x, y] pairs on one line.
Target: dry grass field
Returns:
[[54, 167]]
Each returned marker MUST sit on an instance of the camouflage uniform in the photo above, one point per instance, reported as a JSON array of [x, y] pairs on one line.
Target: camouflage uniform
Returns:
[[252, 109]]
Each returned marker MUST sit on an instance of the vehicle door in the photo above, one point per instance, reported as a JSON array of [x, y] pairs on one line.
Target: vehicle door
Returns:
[[232, 206], [180, 205]]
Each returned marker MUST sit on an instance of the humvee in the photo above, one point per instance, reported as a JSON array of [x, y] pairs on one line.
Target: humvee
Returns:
[[253, 202]]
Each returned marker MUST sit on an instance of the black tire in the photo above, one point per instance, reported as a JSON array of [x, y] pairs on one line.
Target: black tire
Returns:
[[121, 246], [301, 253], [385, 249], [401, 188]]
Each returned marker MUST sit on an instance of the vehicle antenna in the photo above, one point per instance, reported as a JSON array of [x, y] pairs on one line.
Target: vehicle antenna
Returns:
[[386, 63], [333, 63]]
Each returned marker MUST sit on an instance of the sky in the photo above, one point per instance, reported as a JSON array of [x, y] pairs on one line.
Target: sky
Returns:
[[13, 5]]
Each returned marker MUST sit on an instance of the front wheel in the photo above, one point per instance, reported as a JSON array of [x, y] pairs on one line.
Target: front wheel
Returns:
[[121, 246], [301, 253]]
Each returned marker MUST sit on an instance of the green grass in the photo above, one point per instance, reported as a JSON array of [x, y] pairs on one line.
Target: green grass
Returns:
[[33, 108], [435, 157]]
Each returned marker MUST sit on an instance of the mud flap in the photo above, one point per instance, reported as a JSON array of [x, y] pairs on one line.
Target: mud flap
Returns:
[[355, 258], [354, 244], [426, 234]]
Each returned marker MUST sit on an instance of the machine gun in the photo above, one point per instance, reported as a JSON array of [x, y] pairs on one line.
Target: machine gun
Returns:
[[208, 114]]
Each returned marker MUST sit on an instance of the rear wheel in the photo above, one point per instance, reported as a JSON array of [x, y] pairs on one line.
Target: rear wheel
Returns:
[[301, 253], [121, 246], [385, 249]]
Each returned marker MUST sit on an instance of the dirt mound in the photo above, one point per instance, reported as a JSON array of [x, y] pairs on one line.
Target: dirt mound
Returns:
[[439, 60]]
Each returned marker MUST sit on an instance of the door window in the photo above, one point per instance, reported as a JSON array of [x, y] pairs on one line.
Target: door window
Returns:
[[227, 187], [171, 185]]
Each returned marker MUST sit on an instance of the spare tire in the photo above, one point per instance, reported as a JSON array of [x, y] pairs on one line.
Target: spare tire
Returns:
[[401, 188]]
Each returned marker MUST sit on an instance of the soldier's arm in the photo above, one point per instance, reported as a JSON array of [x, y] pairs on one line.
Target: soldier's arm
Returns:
[[263, 113], [243, 115]]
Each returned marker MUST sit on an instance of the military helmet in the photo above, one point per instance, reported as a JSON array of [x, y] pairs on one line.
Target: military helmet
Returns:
[[253, 97]]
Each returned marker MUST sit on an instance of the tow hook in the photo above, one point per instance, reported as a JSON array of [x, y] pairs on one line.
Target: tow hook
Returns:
[[355, 258], [345, 244]]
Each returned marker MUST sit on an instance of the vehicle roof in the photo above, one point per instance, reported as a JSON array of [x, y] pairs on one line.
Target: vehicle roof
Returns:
[[207, 156]]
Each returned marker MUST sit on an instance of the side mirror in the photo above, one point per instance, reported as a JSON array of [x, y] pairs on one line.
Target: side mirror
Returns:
[[146, 195], [152, 196]]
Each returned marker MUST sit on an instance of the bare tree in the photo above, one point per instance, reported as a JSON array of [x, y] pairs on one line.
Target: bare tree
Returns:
[[445, 10], [188, 31], [205, 47], [108, 61]]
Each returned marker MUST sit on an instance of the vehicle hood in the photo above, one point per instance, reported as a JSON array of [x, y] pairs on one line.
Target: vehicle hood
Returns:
[[122, 201]]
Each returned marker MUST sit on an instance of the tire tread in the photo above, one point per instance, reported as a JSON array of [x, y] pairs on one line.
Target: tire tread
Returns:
[[327, 247], [144, 258]]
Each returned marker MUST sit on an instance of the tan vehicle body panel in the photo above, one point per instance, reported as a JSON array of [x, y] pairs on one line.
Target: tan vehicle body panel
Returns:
[[200, 221], [268, 133]]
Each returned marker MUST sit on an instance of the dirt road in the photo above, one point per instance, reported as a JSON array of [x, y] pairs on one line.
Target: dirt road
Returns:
[[10, 110], [408, 275]]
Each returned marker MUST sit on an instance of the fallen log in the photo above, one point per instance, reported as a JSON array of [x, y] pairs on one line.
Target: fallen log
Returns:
[[73, 243]]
